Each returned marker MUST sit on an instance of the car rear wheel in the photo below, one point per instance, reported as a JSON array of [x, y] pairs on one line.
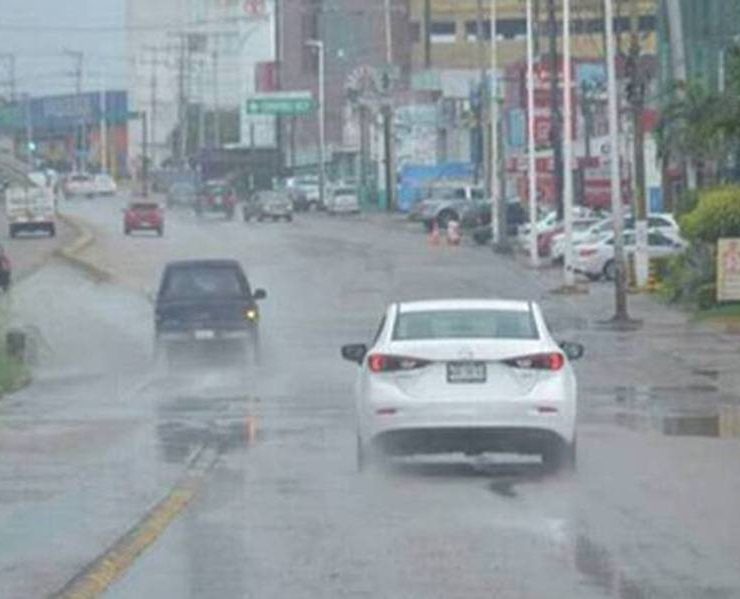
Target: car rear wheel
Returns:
[[560, 455], [126, 231], [160, 231], [52, 231]]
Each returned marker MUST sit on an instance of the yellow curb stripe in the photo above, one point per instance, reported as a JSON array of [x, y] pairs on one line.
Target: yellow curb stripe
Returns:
[[115, 562]]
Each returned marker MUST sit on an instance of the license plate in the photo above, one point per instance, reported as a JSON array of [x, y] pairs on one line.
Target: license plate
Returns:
[[466, 372], [203, 334]]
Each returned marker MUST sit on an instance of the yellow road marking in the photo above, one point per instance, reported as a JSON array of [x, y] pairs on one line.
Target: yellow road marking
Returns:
[[109, 567]]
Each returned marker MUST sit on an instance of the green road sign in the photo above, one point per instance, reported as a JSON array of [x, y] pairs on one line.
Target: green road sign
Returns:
[[281, 105]]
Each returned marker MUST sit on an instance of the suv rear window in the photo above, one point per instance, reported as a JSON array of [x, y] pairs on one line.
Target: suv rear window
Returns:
[[465, 324], [203, 282], [144, 207]]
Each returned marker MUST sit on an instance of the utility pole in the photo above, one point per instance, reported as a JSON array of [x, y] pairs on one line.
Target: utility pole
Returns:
[[427, 34], [29, 129], [484, 104], [568, 147], [636, 97], [498, 201], [388, 113], [79, 58], [201, 143], [182, 111], [680, 72], [216, 102], [556, 118], [532, 159], [11, 82], [319, 45], [103, 104], [620, 288]]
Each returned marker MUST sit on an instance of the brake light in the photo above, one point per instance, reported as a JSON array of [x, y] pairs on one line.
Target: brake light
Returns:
[[552, 361], [587, 252], [386, 363]]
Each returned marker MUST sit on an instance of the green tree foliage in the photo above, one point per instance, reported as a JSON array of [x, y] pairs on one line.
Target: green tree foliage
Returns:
[[716, 215]]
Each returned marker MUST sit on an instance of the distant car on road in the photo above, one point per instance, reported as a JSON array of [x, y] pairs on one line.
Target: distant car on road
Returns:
[[143, 216], [207, 301], [182, 194], [343, 200], [465, 376], [6, 270], [268, 205], [308, 185], [595, 260], [104, 185], [79, 185], [216, 197]]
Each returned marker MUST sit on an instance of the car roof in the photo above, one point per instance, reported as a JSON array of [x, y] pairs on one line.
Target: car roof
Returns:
[[465, 304], [205, 262]]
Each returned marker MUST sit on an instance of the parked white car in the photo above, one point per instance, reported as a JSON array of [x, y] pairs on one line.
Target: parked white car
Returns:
[[465, 376], [596, 259], [343, 200], [664, 222]]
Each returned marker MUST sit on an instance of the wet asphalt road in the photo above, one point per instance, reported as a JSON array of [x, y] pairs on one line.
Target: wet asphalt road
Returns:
[[106, 433]]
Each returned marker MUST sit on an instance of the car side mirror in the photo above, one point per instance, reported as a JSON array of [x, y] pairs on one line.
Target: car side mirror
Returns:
[[354, 352], [259, 294], [572, 350]]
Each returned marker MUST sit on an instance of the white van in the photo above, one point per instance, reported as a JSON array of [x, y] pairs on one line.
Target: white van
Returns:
[[30, 209]]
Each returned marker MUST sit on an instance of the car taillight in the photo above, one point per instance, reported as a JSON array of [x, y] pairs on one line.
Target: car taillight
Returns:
[[587, 252], [386, 363], [551, 361]]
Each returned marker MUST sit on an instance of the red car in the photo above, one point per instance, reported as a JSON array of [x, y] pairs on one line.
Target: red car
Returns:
[[216, 197], [143, 216]]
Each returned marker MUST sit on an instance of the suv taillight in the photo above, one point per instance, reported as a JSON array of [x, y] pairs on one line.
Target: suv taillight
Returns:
[[386, 363], [552, 361]]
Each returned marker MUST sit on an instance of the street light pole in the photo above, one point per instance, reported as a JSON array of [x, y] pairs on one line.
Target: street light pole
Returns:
[[495, 199], [567, 147], [532, 163], [319, 45], [620, 315]]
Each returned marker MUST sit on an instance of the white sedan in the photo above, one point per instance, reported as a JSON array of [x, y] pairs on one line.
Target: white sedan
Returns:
[[596, 259], [465, 376]]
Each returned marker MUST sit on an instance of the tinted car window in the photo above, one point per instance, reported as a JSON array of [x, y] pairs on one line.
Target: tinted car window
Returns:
[[203, 282], [465, 324]]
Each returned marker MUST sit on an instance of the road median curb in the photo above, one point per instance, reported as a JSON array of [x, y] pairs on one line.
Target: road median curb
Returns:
[[83, 240]]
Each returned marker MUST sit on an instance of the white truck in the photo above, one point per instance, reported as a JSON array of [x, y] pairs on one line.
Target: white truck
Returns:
[[30, 208]]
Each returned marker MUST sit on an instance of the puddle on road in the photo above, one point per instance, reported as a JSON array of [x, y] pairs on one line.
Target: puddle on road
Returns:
[[187, 424], [698, 410]]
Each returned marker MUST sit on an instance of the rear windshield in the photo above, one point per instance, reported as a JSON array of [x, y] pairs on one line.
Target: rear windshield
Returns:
[[144, 207], [203, 282], [465, 324], [217, 189]]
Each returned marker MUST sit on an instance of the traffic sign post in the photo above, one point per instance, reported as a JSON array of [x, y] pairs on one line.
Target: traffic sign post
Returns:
[[281, 104]]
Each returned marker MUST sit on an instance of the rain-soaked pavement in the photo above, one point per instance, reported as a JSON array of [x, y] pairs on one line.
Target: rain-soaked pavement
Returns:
[[210, 481]]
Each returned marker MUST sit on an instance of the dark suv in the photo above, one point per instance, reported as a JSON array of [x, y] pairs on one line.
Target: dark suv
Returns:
[[207, 301]]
